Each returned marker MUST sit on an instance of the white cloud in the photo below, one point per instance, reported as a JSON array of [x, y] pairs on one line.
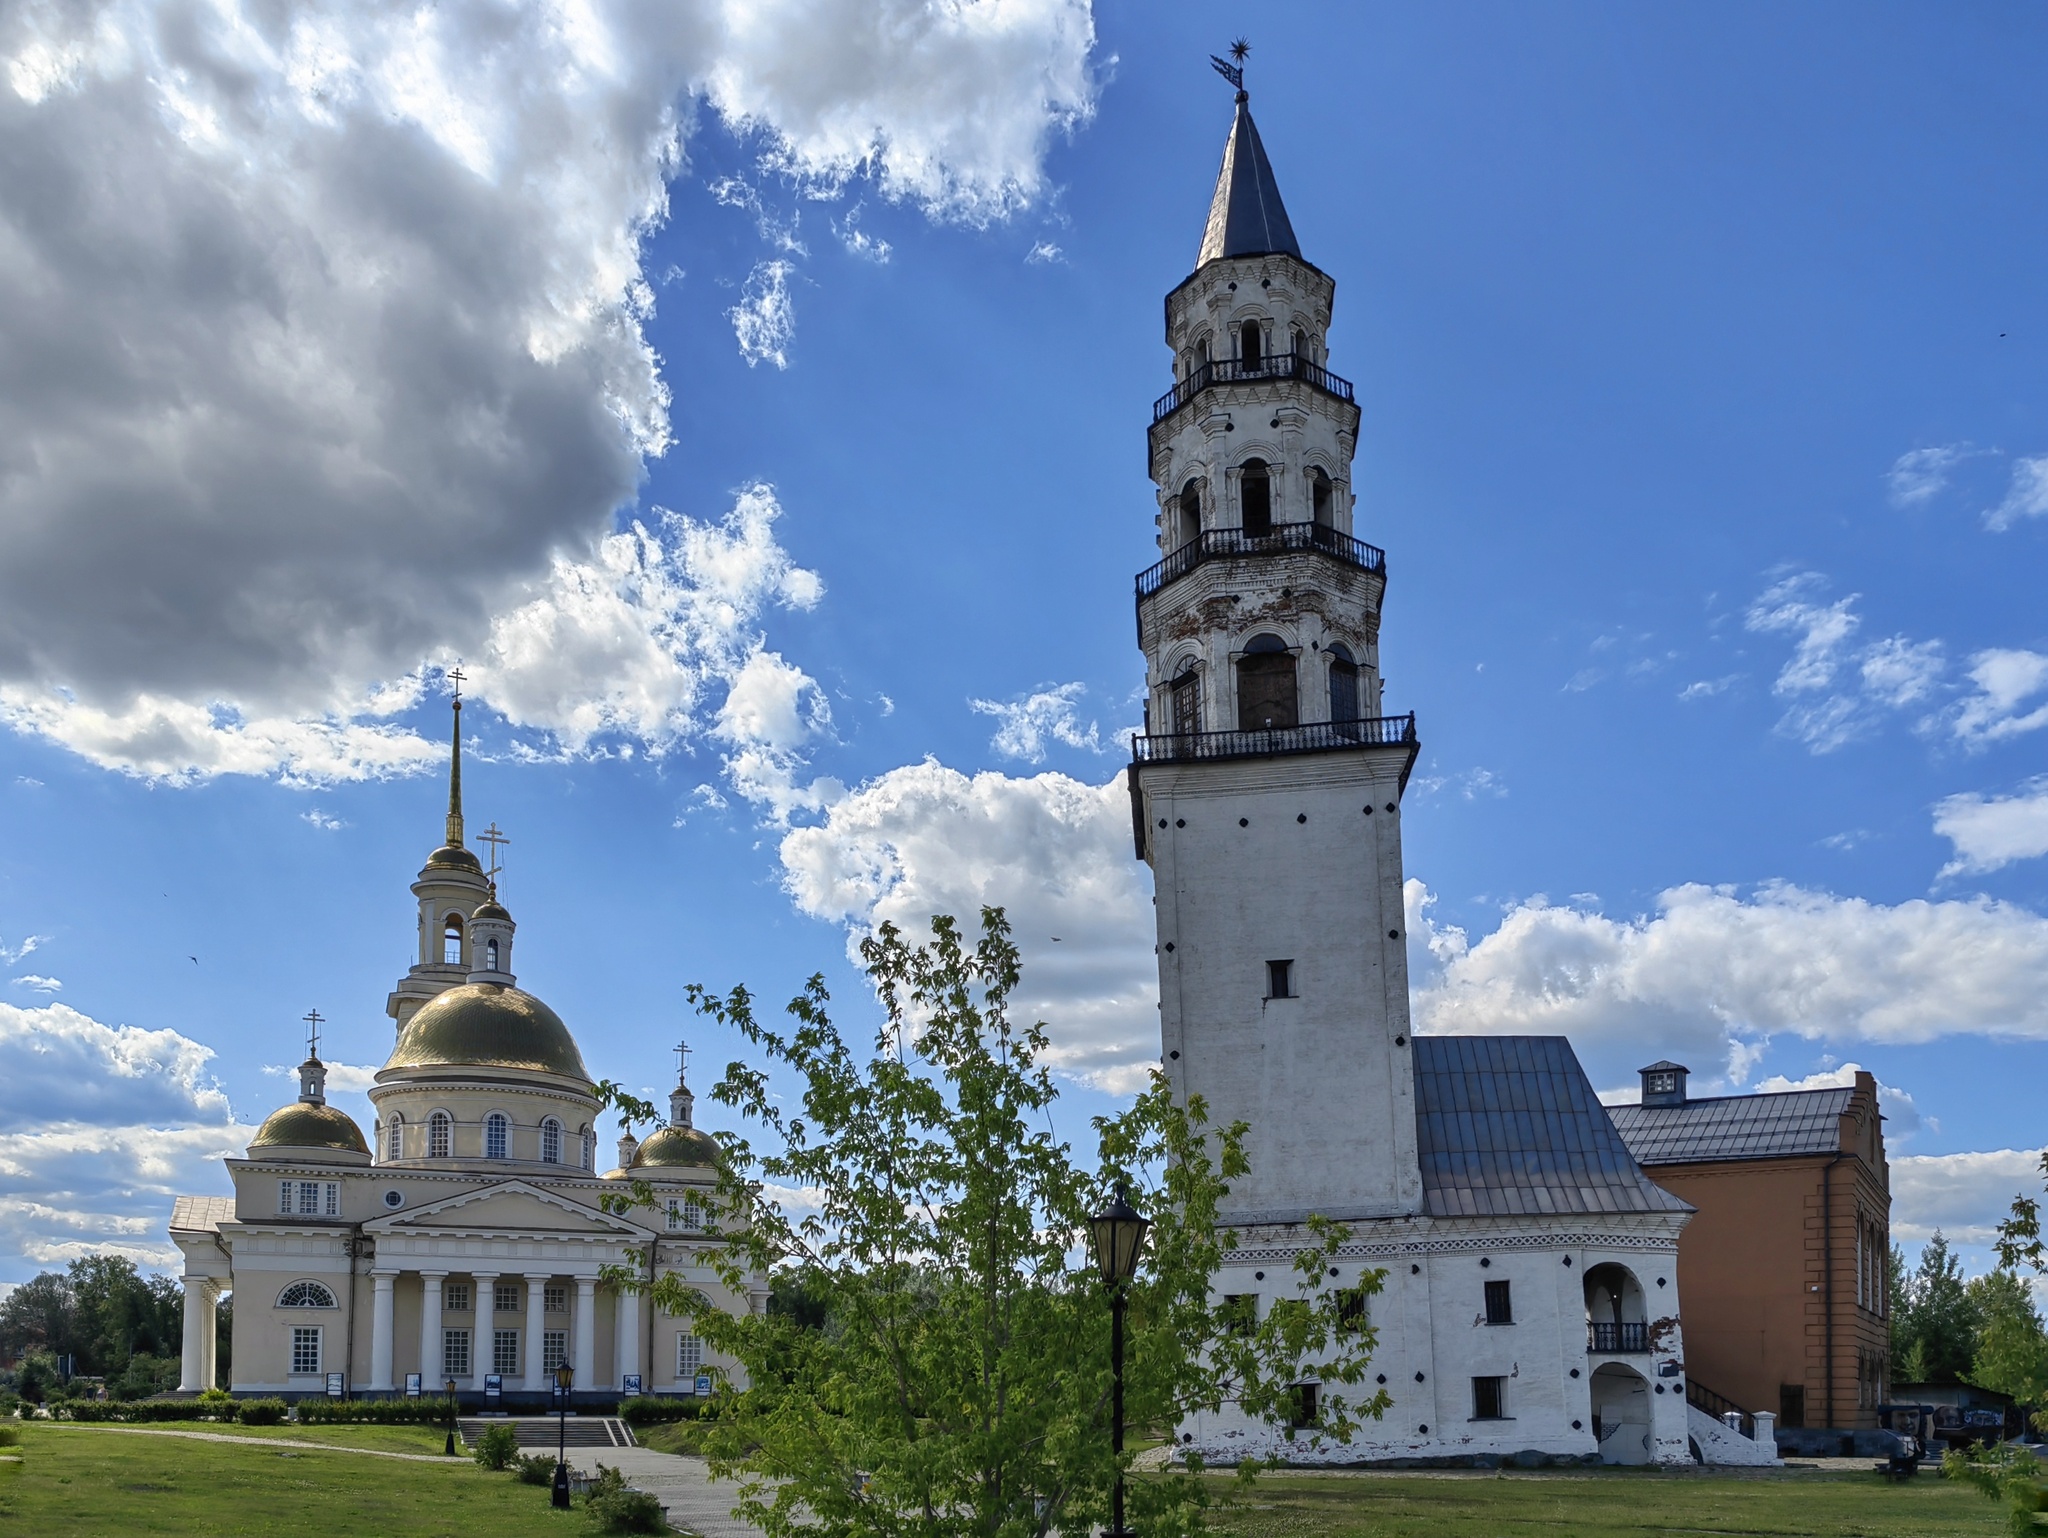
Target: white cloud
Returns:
[[2025, 497], [2005, 680], [1919, 475], [1468, 784], [764, 320], [322, 326], [1025, 726], [1707, 688], [342, 1078], [1993, 831], [1897, 672], [11, 954], [1711, 975], [1043, 253], [39, 983], [1965, 1195], [1902, 1116], [1054, 852], [324, 821], [858, 242], [1836, 691]]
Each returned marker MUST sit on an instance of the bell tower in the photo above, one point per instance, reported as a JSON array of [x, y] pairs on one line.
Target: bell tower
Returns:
[[450, 889], [1266, 791]]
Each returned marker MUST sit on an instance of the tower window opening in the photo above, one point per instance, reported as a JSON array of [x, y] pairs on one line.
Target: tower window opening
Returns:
[[1250, 341], [551, 1141], [1190, 514], [440, 1135], [1301, 347], [1322, 498], [1267, 696], [1255, 497], [491, 955], [1343, 684], [394, 1138], [451, 941], [497, 1135], [1279, 979], [1186, 704]]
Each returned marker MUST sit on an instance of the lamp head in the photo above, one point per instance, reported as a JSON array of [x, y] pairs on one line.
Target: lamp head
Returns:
[[1118, 1235], [564, 1377]]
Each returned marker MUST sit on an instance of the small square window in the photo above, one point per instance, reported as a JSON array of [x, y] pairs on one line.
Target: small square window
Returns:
[[1351, 1316], [505, 1352], [505, 1297], [689, 1356], [1489, 1399], [455, 1353], [1241, 1312], [306, 1348], [1500, 1308], [1301, 1407], [554, 1349], [1663, 1083], [555, 1299], [1279, 979], [455, 1298]]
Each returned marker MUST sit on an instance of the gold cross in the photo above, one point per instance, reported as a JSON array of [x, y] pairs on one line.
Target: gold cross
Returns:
[[497, 840], [312, 1017]]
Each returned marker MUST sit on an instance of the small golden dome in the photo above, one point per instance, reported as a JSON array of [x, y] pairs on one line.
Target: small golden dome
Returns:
[[677, 1147], [489, 909], [488, 1025], [453, 857], [305, 1125]]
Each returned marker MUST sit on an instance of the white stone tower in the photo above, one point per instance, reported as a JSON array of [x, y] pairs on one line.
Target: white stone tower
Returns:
[[450, 889], [1266, 791]]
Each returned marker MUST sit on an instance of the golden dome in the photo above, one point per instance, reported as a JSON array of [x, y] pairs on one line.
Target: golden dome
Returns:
[[488, 1025], [489, 909], [677, 1147], [304, 1125], [453, 857]]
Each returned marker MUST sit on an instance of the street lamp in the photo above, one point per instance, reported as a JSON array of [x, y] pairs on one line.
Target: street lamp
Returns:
[[450, 1449], [1118, 1234], [564, 1378]]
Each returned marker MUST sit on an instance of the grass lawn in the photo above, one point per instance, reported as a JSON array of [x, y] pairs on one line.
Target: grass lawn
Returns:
[[389, 1439], [1619, 1505], [86, 1481]]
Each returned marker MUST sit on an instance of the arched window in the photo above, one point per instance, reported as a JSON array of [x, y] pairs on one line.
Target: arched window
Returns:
[[1322, 497], [1255, 497], [1186, 702], [491, 956], [1343, 684], [497, 1135], [394, 1138], [451, 941], [306, 1295], [1190, 513], [1250, 341], [1266, 693], [1202, 358], [440, 1135], [589, 1141], [1300, 343], [551, 1141]]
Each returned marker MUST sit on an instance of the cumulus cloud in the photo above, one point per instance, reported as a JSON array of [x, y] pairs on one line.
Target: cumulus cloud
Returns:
[[1920, 474], [1711, 974], [342, 1078], [1025, 726], [103, 1125], [1902, 1116], [1965, 1195], [39, 983], [1056, 853], [2005, 681], [1836, 691], [322, 326], [2025, 497], [1993, 831]]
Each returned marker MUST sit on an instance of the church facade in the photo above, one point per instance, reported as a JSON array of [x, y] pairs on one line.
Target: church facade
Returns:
[[1530, 1301], [463, 1239]]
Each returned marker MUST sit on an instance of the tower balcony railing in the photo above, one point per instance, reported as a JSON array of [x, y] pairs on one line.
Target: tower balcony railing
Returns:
[[1279, 365], [1617, 1337], [1316, 737], [1280, 538]]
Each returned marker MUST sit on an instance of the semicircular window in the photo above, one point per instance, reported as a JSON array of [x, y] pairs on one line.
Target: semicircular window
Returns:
[[306, 1295]]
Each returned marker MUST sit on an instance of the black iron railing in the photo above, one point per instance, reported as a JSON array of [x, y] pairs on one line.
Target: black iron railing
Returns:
[[1617, 1337], [1281, 538], [1719, 1406], [1284, 365], [1317, 737]]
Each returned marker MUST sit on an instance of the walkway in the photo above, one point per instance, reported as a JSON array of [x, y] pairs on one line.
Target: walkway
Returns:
[[221, 1436], [696, 1503]]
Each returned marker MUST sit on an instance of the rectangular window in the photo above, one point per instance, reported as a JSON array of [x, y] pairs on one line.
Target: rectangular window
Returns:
[[455, 1297], [333, 1199], [1241, 1312], [1791, 1404], [554, 1349], [306, 1348], [1500, 1309], [1351, 1317], [309, 1198], [455, 1353], [1279, 979], [1301, 1405], [689, 1356], [505, 1297], [555, 1299], [505, 1352], [287, 1195], [1489, 1399], [684, 1215]]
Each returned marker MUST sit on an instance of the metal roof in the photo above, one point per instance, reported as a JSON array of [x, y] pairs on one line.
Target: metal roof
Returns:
[[1780, 1126], [201, 1214], [1246, 216], [1509, 1125]]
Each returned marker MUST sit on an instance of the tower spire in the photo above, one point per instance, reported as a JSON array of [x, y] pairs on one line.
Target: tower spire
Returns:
[[1246, 216], [455, 676]]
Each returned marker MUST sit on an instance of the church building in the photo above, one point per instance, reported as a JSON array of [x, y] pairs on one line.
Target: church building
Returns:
[[462, 1240], [1531, 1300]]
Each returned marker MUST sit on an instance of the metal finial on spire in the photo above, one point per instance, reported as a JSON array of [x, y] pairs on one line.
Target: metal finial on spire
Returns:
[[1232, 69], [313, 1019], [455, 676]]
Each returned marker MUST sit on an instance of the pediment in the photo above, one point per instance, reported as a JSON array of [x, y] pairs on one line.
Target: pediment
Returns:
[[510, 1207]]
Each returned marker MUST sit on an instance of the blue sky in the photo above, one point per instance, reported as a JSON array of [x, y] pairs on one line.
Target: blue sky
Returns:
[[1700, 354]]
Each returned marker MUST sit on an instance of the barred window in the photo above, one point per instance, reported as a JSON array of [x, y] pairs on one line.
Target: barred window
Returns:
[[455, 1297], [551, 1141], [555, 1298], [689, 1356], [497, 1135], [305, 1295], [505, 1352], [505, 1297], [1489, 1399], [455, 1353], [554, 1349], [1351, 1315], [306, 1348]]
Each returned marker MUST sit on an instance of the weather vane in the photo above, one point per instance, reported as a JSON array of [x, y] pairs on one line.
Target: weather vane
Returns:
[[312, 1017], [1232, 69], [497, 840]]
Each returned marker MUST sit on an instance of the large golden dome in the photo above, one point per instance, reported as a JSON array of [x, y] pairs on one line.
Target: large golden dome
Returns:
[[488, 1025], [305, 1125], [677, 1147]]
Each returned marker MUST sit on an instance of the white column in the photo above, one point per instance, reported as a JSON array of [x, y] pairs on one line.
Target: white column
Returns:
[[536, 1330], [200, 1327], [626, 1352], [432, 1379], [586, 1330], [209, 1339], [380, 1331], [486, 1317]]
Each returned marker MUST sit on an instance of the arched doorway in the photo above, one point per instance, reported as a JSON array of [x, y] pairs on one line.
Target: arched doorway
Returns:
[[1255, 498], [1617, 1318], [1621, 1414], [1266, 691]]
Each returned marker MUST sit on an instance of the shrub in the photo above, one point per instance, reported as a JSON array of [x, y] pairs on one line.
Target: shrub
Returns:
[[120, 1412], [496, 1448], [215, 1396], [10, 1436], [261, 1412], [534, 1468], [655, 1410], [615, 1509], [373, 1412]]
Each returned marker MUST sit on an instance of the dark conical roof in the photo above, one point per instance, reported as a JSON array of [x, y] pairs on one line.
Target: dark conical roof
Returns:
[[1246, 217]]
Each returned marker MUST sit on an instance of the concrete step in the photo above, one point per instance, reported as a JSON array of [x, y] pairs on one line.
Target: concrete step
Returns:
[[542, 1431]]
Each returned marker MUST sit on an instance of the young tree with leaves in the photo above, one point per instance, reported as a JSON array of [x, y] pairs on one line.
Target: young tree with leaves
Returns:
[[1935, 1319], [962, 1382]]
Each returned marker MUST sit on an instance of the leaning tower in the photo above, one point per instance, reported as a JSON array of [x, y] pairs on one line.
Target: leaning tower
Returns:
[[1266, 791]]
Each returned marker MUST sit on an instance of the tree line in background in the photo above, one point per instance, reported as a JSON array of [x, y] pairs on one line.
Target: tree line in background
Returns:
[[98, 1319], [1985, 1331]]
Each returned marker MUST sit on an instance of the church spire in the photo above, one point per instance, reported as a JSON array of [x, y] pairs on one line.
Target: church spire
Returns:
[[1246, 216], [455, 769]]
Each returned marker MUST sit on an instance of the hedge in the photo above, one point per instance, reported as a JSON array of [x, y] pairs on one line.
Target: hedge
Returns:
[[122, 1411], [658, 1409], [375, 1412]]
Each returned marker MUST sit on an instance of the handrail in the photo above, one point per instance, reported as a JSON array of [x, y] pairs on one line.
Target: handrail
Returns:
[[1720, 1406], [1279, 365], [1622, 1337], [1223, 544], [1316, 737]]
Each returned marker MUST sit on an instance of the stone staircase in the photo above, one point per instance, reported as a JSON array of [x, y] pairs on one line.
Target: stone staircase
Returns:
[[542, 1430]]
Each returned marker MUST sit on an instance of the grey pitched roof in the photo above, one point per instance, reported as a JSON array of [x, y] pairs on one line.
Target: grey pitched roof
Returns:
[[201, 1214], [1780, 1126], [1509, 1125], [1246, 216]]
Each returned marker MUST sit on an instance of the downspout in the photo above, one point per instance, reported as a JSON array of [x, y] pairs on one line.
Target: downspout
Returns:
[[645, 1302], [1827, 1261], [354, 1242], [228, 1256]]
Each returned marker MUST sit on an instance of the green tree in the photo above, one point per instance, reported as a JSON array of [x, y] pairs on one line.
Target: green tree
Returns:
[[961, 1382], [2019, 1236], [2012, 1348], [1936, 1319], [40, 1315]]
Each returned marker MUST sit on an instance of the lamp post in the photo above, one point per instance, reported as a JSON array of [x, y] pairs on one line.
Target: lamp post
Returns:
[[450, 1449], [1118, 1234], [564, 1378]]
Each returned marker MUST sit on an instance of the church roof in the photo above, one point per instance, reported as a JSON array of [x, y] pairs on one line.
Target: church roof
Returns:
[[1510, 1126], [677, 1147], [1246, 216], [1780, 1126], [488, 1025], [305, 1125], [201, 1214]]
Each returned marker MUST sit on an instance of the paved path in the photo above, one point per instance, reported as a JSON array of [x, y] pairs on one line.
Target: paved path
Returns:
[[696, 1503], [221, 1436]]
